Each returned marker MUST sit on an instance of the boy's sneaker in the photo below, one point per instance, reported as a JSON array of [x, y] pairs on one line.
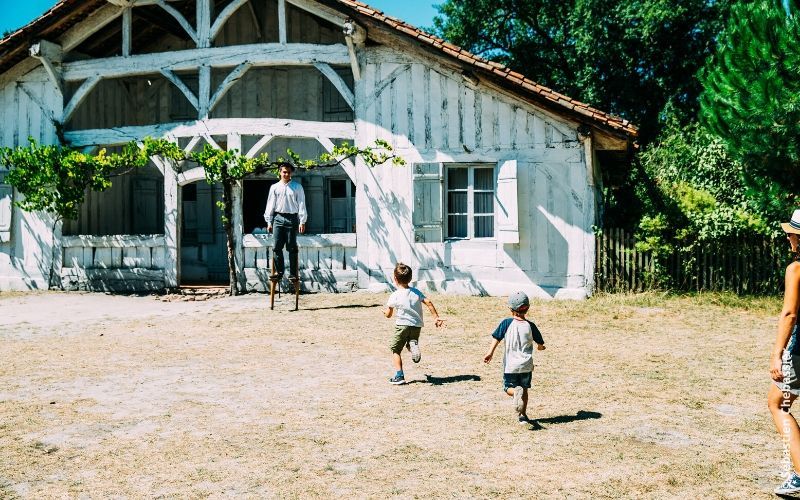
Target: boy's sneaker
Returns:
[[415, 354], [790, 486], [397, 380], [518, 403], [523, 419]]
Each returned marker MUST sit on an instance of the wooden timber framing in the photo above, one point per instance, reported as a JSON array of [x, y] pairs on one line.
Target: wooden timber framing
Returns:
[[337, 82], [262, 54], [229, 81], [79, 96], [49, 54], [215, 126], [175, 79]]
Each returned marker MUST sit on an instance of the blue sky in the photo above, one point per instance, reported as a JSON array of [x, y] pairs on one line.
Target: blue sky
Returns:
[[420, 13]]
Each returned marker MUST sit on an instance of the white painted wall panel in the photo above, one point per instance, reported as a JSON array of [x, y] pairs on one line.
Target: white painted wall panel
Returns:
[[451, 121]]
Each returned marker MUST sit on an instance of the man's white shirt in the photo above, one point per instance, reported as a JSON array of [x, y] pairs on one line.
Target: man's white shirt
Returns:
[[286, 198]]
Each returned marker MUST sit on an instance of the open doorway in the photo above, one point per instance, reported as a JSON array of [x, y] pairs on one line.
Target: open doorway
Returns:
[[204, 252]]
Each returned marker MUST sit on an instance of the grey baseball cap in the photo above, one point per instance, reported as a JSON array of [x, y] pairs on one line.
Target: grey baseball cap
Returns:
[[517, 300]]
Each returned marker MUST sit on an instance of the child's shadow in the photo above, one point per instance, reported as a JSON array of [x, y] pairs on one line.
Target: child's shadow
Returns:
[[563, 419], [448, 380]]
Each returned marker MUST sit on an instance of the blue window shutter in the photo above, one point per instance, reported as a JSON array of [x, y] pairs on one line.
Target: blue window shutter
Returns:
[[427, 211], [507, 204]]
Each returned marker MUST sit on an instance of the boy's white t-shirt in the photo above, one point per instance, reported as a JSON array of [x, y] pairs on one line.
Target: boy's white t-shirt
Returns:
[[407, 303]]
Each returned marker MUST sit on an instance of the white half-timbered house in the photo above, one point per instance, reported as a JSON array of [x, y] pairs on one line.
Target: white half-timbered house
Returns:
[[500, 191]]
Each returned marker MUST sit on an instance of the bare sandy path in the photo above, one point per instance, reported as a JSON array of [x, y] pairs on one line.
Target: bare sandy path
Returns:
[[111, 396]]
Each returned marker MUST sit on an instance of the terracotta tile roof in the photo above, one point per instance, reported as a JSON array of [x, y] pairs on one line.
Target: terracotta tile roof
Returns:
[[67, 13], [575, 108]]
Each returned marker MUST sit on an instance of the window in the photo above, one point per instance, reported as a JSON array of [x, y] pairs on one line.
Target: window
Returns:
[[470, 193]]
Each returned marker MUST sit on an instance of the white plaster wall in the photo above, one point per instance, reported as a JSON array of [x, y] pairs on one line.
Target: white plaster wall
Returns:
[[24, 93]]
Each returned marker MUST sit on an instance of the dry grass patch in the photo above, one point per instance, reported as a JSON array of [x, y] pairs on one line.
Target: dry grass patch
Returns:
[[644, 395]]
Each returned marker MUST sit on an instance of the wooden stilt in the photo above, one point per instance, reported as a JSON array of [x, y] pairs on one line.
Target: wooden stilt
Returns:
[[296, 281], [273, 283]]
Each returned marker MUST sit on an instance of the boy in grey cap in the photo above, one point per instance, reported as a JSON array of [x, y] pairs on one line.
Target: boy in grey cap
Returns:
[[520, 335]]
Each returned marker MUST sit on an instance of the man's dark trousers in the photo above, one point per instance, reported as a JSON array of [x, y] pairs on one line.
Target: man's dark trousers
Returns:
[[284, 229]]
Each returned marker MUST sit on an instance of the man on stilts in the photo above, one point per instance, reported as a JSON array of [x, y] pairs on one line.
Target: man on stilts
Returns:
[[286, 213]]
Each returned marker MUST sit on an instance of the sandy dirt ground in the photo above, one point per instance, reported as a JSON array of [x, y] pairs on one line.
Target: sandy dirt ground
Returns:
[[131, 397]]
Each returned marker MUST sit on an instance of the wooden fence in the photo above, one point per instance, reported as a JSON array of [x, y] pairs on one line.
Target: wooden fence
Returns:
[[743, 266]]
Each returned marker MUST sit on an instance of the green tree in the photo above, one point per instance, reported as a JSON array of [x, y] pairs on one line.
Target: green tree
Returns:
[[628, 57], [751, 98], [698, 196]]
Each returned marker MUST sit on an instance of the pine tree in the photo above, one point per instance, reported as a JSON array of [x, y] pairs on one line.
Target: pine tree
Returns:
[[751, 97]]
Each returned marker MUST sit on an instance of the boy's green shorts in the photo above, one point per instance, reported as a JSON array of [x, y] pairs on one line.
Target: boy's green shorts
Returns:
[[402, 335]]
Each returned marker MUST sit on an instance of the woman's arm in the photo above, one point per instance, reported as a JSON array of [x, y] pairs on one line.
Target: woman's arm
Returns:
[[787, 319]]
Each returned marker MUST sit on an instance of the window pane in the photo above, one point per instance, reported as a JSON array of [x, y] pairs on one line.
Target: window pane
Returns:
[[484, 203], [457, 203], [338, 188], [457, 178], [484, 178], [484, 226], [457, 226]]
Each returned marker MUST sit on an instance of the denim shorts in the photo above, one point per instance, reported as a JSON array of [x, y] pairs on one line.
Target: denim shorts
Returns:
[[790, 370], [511, 380]]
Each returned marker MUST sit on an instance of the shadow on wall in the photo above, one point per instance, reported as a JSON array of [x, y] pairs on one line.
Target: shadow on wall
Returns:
[[384, 210], [44, 252], [552, 217]]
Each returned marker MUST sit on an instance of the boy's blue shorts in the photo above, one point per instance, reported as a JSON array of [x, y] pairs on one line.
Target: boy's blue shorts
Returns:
[[511, 380]]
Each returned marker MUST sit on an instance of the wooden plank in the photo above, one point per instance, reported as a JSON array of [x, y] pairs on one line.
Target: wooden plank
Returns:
[[73, 257], [319, 10], [282, 89], [419, 105], [223, 16], [337, 82], [79, 96], [452, 113], [261, 259], [537, 126], [350, 258], [144, 257], [403, 109], [426, 95], [229, 81], [102, 258], [282, 21], [214, 126], [337, 258], [468, 122], [88, 257], [269, 54], [384, 102], [127, 21], [175, 79], [434, 121], [505, 122]]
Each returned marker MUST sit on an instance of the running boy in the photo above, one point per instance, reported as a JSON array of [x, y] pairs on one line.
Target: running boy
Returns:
[[519, 334], [408, 302]]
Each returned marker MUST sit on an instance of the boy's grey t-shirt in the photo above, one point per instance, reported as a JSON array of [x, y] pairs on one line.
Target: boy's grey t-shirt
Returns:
[[407, 303], [519, 335]]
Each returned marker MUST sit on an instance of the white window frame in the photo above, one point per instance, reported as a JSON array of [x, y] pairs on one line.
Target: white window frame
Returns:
[[471, 167]]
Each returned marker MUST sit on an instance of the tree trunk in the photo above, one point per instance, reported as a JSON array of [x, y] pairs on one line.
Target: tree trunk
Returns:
[[227, 223], [55, 243]]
